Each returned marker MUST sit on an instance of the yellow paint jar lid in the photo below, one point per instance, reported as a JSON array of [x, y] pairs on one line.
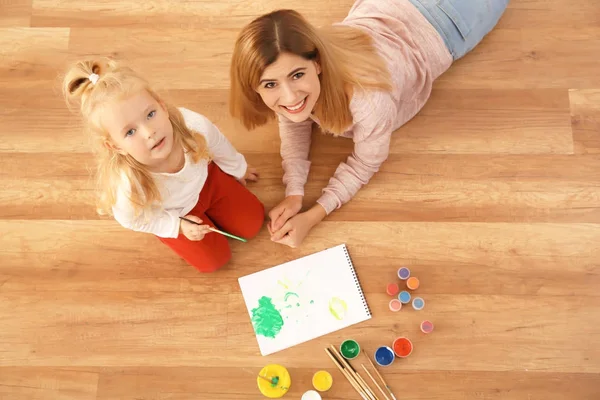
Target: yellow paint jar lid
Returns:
[[322, 381]]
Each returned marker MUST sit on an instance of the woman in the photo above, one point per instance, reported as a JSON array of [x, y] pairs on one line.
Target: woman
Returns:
[[362, 79]]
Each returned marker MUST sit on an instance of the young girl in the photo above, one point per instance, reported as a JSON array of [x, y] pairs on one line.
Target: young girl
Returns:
[[361, 79], [158, 163]]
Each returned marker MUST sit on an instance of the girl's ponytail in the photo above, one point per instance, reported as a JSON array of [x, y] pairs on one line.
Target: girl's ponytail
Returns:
[[79, 81]]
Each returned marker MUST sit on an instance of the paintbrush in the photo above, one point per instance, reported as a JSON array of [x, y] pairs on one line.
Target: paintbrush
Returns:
[[273, 381], [379, 375], [375, 382], [210, 228], [370, 393], [342, 369]]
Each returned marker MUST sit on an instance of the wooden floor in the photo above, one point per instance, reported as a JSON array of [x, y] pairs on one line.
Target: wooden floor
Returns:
[[491, 195]]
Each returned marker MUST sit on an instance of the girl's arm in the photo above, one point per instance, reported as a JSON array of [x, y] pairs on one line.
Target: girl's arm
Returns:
[[224, 154], [156, 221]]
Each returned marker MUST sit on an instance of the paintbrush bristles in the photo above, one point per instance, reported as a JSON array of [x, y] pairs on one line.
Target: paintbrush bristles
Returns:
[[346, 374]]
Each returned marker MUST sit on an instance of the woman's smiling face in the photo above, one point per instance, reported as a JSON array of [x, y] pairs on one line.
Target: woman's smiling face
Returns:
[[290, 86]]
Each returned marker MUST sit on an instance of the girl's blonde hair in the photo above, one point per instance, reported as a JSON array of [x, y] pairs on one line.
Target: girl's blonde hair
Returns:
[[346, 55], [90, 84]]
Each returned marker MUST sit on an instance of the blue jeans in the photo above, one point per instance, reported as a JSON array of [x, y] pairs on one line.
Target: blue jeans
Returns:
[[462, 23]]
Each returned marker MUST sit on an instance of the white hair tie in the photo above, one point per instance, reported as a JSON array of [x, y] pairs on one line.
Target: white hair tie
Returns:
[[94, 78]]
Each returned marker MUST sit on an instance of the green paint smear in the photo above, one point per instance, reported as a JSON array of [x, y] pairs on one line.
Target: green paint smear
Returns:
[[312, 302], [274, 381], [288, 294], [338, 308], [266, 319]]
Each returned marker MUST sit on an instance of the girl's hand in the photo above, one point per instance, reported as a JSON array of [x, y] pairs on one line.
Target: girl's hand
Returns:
[[251, 175], [192, 231], [295, 230], [282, 212]]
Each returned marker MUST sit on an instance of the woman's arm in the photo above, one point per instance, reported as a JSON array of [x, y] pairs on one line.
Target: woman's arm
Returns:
[[374, 117], [295, 149]]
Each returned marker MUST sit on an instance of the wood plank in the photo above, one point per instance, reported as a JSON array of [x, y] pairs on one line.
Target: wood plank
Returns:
[[196, 14], [527, 259], [513, 122], [200, 54], [528, 57], [31, 55], [190, 383], [112, 328], [231, 14], [544, 336], [47, 383], [15, 13], [454, 188], [585, 118]]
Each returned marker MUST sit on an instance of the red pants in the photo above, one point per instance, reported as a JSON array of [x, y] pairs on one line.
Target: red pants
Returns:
[[227, 205]]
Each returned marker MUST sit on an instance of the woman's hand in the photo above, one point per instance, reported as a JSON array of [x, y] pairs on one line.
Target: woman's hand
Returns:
[[282, 212], [295, 230], [251, 175], [192, 231]]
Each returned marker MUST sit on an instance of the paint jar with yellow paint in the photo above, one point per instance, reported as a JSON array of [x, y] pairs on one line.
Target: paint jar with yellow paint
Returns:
[[322, 381], [274, 381]]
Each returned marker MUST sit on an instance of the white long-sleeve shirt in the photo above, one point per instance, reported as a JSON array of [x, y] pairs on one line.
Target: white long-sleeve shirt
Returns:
[[180, 190]]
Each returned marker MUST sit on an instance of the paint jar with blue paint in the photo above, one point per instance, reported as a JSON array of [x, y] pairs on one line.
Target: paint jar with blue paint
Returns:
[[384, 356], [418, 303], [404, 297]]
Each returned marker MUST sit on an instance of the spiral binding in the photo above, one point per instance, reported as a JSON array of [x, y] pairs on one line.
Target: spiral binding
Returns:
[[364, 300]]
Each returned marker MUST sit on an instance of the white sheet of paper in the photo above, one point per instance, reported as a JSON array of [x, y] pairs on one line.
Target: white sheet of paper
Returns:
[[303, 299]]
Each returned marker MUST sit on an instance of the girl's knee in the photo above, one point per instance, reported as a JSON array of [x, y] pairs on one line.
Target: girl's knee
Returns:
[[214, 261], [255, 220]]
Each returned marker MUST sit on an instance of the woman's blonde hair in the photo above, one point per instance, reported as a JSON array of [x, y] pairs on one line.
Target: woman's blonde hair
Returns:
[[90, 84], [346, 55]]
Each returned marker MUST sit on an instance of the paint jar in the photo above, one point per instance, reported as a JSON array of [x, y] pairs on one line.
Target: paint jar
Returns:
[[384, 356], [426, 327], [350, 349], [403, 273], [402, 347], [311, 395], [274, 390], [322, 381], [392, 289], [418, 303], [395, 305], [404, 297], [412, 283]]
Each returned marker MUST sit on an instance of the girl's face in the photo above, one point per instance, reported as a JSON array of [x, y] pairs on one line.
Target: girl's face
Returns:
[[290, 86], [139, 125]]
